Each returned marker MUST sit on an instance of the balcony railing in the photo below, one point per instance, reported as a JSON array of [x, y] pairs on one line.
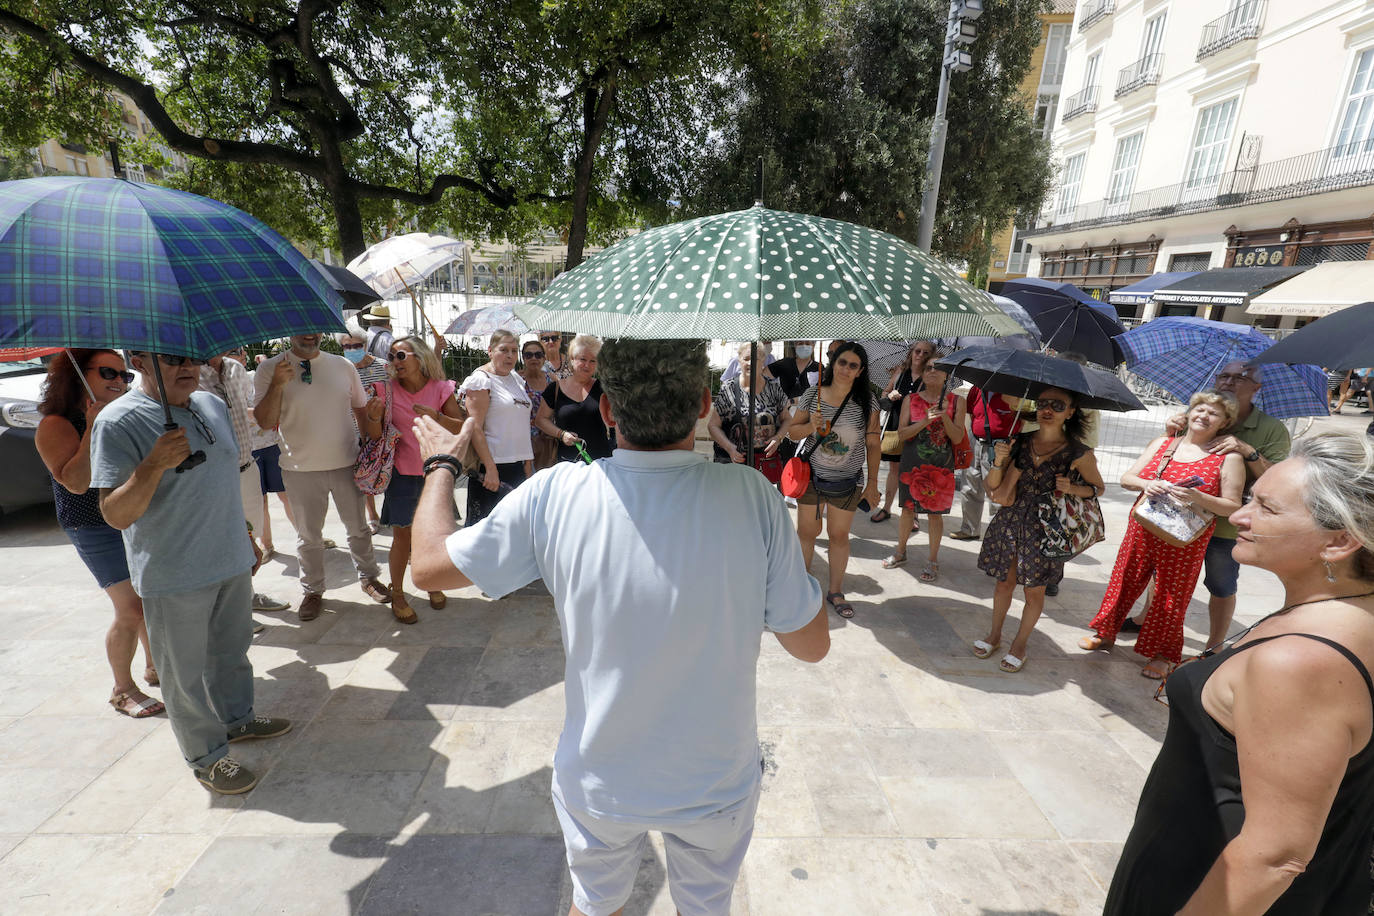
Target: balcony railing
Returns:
[[1094, 12], [1334, 169], [1144, 72], [1241, 24], [1080, 103]]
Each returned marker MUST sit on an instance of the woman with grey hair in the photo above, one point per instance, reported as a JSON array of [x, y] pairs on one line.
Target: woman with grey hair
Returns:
[[570, 411], [1262, 797]]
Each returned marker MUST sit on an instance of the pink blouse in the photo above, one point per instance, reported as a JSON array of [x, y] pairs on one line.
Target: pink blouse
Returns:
[[435, 394]]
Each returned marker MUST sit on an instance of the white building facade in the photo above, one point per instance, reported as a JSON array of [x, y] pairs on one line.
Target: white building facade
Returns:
[[1197, 134]]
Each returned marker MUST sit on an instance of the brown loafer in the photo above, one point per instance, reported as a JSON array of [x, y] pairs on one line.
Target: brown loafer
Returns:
[[376, 590], [310, 607], [437, 600]]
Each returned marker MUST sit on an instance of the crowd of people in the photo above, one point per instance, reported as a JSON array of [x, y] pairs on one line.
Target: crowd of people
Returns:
[[660, 730]]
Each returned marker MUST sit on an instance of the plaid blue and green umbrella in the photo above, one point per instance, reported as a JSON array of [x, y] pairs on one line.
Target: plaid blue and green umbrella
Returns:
[[1183, 356], [106, 262], [762, 274]]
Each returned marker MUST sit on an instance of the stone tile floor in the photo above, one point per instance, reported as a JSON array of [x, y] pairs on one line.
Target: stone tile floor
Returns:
[[902, 774]]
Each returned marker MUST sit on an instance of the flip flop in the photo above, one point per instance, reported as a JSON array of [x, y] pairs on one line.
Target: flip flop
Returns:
[[897, 559], [125, 705], [842, 607], [1010, 663], [931, 572], [982, 648], [881, 515]]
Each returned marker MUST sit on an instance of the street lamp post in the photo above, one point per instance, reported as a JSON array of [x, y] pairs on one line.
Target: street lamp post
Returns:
[[959, 31]]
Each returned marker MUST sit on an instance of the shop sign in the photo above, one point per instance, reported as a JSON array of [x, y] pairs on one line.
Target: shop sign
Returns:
[[1259, 256]]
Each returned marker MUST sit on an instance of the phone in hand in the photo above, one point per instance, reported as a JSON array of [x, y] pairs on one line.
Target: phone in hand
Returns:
[[1191, 482]]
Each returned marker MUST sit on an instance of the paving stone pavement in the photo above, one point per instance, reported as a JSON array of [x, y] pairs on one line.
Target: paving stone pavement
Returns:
[[902, 774]]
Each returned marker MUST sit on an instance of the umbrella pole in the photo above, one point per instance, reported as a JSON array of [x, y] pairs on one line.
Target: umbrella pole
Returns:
[[749, 436], [79, 374], [196, 457], [416, 302]]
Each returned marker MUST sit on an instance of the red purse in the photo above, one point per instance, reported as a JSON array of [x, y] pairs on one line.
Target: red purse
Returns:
[[796, 474], [963, 449]]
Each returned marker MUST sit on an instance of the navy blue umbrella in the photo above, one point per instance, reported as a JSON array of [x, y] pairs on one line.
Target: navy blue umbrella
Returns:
[[1024, 374], [1069, 319]]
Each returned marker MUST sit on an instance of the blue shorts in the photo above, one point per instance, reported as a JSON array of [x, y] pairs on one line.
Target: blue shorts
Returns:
[[402, 496], [101, 548], [704, 857], [269, 468], [1223, 573]]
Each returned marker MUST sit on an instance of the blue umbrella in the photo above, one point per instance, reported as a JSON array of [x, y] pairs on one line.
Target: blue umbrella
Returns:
[[101, 262], [1183, 356], [1069, 319]]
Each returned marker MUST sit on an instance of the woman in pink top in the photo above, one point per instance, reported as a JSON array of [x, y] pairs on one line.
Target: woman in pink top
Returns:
[[417, 388]]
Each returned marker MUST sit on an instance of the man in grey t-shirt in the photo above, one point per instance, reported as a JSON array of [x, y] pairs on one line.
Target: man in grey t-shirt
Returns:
[[191, 559]]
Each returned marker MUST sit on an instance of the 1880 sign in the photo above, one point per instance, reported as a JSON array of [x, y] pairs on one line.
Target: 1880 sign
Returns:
[[1259, 256]]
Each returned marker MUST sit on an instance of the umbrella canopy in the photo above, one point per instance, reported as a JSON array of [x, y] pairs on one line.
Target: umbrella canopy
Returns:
[[1069, 319], [392, 265], [1029, 339], [484, 321], [1342, 340], [1183, 356], [101, 262], [356, 293], [1024, 374], [762, 274], [19, 354]]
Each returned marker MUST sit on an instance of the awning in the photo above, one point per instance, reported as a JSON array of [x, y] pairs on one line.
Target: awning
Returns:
[[1139, 293], [1324, 289], [1225, 286]]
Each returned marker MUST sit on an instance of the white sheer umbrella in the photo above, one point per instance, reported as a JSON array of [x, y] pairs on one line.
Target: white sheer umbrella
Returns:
[[404, 261]]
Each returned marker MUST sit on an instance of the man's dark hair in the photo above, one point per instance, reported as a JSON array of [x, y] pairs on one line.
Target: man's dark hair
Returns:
[[654, 387]]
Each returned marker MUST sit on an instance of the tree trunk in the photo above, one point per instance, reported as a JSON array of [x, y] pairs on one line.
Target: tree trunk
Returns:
[[596, 111], [348, 219]]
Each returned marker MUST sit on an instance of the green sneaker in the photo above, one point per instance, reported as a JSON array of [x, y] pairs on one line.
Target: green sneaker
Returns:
[[226, 776], [259, 727]]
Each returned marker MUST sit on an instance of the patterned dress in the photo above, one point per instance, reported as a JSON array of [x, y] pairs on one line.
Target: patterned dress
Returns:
[[927, 468], [1175, 569], [1013, 535]]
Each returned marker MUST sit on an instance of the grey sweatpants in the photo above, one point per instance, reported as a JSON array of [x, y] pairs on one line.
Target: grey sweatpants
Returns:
[[309, 492], [972, 497], [200, 644]]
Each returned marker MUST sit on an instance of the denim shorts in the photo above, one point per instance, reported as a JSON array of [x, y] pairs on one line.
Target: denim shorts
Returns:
[[269, 468], [402, 496], [101, 548], [1223, 573]]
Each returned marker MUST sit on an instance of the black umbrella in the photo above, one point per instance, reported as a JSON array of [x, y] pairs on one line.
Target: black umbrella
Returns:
[[357, 294], [1024, 374], [1069, 319], [1341, 340]]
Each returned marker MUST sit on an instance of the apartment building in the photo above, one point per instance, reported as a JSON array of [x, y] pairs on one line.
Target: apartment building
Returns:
[[1204, 134], [56, 157]]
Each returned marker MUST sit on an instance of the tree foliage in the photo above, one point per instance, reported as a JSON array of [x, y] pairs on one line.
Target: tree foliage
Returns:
[[843, 126]]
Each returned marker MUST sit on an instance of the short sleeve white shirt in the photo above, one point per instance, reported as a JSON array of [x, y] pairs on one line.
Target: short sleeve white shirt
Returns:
[[507, 425], [665, 569], [315, 425]]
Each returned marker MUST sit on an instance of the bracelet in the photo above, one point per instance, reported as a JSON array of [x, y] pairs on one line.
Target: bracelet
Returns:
[[442, 461]]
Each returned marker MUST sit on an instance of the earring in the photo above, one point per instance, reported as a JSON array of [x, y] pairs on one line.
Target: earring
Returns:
[[1330, 573]]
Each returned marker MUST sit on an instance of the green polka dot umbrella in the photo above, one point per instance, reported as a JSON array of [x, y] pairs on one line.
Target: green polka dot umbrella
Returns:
[[762, 274]]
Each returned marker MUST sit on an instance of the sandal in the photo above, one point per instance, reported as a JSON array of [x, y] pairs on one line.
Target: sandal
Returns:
[[400, 609], [931, 572], [1010, 663], [1092, 643], [842, 607], [150, 676], [881, 515], [126, 705], [982, 648], [897, 559], [1157, 669], [437, 600]]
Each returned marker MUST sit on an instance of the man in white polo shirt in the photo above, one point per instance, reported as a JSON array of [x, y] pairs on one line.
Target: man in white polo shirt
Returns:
[[307, 394], [665, 570]]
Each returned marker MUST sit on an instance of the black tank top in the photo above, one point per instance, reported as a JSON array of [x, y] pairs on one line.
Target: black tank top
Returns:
[[77, 510], [1191, 807]]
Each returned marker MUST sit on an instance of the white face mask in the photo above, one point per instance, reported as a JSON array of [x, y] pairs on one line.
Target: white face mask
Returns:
[[804, 352]]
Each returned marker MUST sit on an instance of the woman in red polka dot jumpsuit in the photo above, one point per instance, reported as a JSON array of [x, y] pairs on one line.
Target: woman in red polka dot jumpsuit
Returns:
[[1142, 555]]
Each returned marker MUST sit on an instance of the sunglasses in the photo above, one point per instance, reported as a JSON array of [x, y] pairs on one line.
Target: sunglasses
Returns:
[[550, 337], [305, 372], [110, 375], [354, 346], [397, 356], [531, 354], [1054, 404], [849, 364]]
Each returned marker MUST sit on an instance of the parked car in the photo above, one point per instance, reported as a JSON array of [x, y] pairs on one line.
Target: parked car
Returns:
[[24, 481]]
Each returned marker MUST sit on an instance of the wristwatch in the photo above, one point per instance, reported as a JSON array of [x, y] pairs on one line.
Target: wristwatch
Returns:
[[1253, 456]]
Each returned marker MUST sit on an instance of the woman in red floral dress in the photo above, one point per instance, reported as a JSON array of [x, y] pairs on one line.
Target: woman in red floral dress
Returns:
[[1218, 483], [932, 421]]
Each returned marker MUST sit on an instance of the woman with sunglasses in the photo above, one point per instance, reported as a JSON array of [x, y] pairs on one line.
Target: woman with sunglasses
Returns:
[[903, 380], [841, 414], [531, 369], [1024, 473], [1262, 797], [555, 365], [932, 421], [500, 410], [417, 388], [571, 410], [71, 399], [1197, 478]]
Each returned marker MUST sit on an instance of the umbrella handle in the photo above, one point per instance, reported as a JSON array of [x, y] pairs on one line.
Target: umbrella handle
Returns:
[[198, 456]]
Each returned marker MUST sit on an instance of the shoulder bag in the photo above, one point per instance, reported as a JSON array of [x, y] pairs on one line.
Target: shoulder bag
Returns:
[[377, 457], [1070, 524], [1173, 522], [796, 473]]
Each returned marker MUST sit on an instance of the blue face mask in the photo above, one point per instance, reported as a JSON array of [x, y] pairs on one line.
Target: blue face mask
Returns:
[[803, 352], [355, 356]]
